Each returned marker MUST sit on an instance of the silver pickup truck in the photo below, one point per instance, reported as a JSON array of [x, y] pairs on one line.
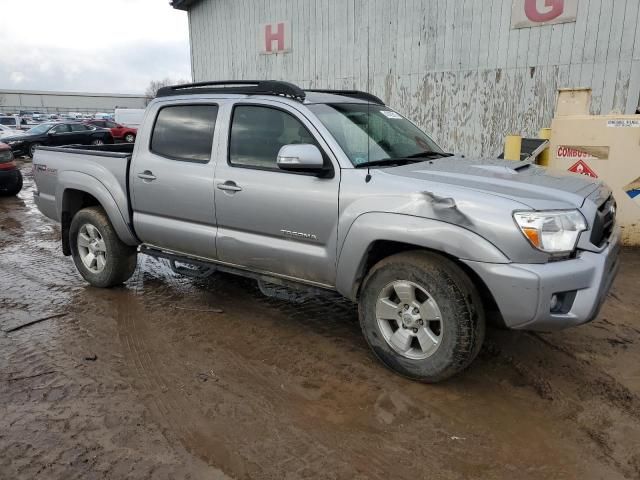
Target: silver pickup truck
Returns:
[[333, 190]]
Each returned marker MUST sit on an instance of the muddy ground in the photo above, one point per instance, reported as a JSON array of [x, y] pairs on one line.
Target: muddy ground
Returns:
[[169, 377]]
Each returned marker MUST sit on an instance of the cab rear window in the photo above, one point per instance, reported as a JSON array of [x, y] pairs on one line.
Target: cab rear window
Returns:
[[185, 132]]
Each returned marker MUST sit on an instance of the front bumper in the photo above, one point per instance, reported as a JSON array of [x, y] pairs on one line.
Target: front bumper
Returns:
[[523, 292], [19, 150]]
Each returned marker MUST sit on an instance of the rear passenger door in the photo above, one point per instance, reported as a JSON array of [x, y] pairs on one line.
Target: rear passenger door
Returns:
[[80, 133], [271, 220], [172, 180], [60, 135]]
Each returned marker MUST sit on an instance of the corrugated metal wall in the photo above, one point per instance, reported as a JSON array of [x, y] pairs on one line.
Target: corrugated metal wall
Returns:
[[453, 66]]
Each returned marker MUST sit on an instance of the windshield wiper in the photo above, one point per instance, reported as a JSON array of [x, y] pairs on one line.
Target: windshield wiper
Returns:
[[414, 158], [388, 162], [430, 153]]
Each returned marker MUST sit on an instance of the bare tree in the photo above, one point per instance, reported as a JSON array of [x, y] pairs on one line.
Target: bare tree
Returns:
[[155, 85]]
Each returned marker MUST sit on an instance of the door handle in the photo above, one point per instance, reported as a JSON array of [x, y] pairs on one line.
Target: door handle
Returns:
[[229, 186], [147, 175]]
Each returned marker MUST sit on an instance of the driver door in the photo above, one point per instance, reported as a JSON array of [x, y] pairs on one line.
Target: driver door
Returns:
[[270, 220]]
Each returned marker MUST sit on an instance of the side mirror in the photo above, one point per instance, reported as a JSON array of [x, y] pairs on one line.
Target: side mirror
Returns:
[[303, 157]]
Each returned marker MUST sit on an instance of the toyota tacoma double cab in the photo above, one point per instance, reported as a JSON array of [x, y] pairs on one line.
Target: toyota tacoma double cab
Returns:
[[333, 190]]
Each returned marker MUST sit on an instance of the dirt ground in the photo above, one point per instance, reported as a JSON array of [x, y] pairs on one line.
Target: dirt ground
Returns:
[[168, 377]]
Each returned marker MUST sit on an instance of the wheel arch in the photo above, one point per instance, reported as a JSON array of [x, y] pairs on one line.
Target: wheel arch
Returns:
[[369, 241], [78, 191]]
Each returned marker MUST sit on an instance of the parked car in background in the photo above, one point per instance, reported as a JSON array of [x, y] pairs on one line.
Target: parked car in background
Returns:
[[55, 134], [10, 176], [130, 117], [119, 132], [7, 131], [13, 121]]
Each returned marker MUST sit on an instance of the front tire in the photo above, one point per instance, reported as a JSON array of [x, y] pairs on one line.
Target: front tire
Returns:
[[32, 148], [129, 138], [421, 315], [97, 142], [100, 256]]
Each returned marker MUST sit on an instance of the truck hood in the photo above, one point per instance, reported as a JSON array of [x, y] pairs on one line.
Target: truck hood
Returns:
[[534, 186]]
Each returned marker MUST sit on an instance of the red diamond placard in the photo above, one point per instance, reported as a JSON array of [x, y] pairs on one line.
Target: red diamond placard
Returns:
[[583, 169]]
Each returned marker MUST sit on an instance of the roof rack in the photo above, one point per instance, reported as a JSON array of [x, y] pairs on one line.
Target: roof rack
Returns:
[[244, 87], [351, 93]]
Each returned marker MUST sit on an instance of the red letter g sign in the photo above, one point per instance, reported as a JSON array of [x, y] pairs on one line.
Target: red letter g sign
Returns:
[[550, 10]]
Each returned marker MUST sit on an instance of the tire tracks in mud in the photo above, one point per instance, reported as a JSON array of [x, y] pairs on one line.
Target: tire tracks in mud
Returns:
[[226, 449], [598, 381], [265, 416], [585, 395]]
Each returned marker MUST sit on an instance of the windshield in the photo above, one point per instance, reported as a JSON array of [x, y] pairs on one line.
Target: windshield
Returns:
[[371, 133], [42, 128]]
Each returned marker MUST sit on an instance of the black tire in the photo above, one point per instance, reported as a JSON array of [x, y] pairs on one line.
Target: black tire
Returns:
[[14, 189], [121, 259], [130, 138], [462, 322], [98, 141], [31, 148]]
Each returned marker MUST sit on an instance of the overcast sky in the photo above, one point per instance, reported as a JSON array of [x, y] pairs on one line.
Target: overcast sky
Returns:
[[91, 45]]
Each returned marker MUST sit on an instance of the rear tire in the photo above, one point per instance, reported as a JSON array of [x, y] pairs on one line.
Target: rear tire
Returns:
[[113, 262], [431, 331], [129, 138], [97, 141]]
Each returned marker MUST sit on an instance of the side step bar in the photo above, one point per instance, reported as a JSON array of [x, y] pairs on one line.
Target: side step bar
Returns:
[[270, 285]]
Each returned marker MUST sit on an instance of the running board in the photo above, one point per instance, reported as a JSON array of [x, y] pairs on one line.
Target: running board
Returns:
[[269, 285], [191, 267], [192, 270]]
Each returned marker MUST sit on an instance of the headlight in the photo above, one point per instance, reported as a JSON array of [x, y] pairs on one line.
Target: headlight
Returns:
[[15, 143], [554, 231]]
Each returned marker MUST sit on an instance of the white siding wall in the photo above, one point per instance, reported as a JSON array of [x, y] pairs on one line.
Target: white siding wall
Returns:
[[13, 100], [453, 66]]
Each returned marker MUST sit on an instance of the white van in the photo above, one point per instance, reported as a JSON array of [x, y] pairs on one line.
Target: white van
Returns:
[[129, 117]]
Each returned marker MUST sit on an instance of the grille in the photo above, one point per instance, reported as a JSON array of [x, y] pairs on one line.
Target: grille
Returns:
[[604, 222]]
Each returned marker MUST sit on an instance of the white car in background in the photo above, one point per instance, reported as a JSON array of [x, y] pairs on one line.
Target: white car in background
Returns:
[[7, 131], [13, 121]]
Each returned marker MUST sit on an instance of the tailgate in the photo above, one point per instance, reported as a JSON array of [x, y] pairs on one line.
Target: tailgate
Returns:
[[45, 176]]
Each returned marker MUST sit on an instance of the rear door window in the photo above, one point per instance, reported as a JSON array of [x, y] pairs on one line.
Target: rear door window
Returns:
[[62, 128], [185, 132]]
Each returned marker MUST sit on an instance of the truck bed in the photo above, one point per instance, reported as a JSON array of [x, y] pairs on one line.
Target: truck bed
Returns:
[[102, 170]]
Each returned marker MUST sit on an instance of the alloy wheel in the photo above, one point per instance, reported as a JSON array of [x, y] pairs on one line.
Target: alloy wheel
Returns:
[[409, 319], [92, 249]]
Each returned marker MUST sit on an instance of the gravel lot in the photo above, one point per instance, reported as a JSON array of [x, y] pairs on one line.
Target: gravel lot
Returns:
[[169, 377]]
